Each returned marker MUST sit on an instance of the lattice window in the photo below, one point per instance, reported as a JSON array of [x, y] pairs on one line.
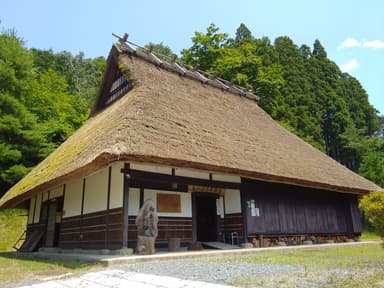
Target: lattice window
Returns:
[[119, 88]]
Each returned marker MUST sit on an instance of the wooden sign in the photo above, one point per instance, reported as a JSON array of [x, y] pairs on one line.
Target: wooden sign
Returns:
[[168, 203], [206, 189]]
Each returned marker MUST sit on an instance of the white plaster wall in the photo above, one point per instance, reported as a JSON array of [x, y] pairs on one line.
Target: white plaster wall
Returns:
[[45, 196], [117, 186], [151, 168], [56, 192], [191, 173], [226, 178], [96, 192], [185, 199], [232, 201], [220, 206], [38, 207], [31, 210], [134, 201], [72, 198]]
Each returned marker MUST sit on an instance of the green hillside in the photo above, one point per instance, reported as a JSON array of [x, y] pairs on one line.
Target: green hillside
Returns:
[[12, 224]]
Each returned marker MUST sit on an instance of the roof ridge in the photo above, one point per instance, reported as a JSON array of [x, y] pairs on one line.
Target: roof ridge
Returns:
[[123, 45]]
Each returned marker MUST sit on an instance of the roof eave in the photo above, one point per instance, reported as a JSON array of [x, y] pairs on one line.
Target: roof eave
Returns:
[[105, 159]]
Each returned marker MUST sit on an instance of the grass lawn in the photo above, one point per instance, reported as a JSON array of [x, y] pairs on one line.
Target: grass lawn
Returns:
[[13, 268], [23, 271], [355, 266], [12, 224]]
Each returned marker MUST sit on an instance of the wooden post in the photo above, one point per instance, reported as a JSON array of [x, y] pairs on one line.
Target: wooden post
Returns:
[[82, 214], [243, 200], [194, 218], [106, 240], [127, 177]]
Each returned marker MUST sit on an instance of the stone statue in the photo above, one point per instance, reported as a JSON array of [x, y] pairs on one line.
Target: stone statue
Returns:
[[146, 222]]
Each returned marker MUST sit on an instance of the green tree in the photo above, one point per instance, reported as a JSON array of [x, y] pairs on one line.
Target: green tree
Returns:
[[373, 207], [243, 35], [238, 64], [44, 98], [161, 51], [206, 48], [15, 64], [21, 144]]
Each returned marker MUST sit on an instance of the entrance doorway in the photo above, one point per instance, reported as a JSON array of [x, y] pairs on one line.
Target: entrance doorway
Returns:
[[205, 216], [53, 210]]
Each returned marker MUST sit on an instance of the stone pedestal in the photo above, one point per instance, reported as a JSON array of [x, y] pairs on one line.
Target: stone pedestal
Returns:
[[174, 244], [145, 245]]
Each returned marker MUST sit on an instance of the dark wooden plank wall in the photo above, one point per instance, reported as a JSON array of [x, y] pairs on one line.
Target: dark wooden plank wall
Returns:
[[102, 230], [174, 228], [168, 227], [287, 209], [92, 231], [231, 223]]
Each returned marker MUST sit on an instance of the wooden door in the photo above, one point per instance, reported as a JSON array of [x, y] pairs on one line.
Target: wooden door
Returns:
[[51, 223]]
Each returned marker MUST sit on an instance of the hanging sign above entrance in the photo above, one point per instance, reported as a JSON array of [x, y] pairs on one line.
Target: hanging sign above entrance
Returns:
[[206, 189]]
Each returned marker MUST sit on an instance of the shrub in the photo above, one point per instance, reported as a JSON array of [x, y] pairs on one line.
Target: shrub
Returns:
[[373, 207]]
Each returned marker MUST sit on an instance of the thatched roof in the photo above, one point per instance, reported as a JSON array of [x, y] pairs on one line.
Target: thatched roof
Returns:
[[174, 120]]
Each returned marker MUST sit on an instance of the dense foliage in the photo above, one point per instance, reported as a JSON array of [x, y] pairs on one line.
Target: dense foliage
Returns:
[[373, 207], [44, 98], [300, 88]]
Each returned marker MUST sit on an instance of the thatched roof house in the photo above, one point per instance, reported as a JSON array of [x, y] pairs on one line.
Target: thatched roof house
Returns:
[[169, 118], [210, 159]]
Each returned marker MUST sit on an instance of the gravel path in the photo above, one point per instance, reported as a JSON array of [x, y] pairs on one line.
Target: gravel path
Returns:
[[207, 270]]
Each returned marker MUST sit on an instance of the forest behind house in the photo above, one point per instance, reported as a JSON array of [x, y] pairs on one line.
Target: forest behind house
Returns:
[[45, 96]]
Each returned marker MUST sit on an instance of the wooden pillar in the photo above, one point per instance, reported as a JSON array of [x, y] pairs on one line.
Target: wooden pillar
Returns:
[[141, 201], [243, 200], [82, 213], [194, 218], [127, 177], [106, 240]]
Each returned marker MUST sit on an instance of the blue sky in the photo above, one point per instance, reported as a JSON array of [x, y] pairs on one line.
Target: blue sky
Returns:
[[352, 31]]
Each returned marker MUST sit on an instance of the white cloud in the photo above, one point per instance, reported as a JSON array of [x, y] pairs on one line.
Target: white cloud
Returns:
[[350, 65], [350, 42], [376, 44]]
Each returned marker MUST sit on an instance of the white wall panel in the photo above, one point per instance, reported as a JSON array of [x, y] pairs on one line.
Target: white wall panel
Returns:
[[232, 201], [220, 206], [117, 186], [31, 210], [226, 178], [72, 198], [38, 207], [151, 168], [191, 173], [96, 192], [134, 201], [56, 192], [45, 196]]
